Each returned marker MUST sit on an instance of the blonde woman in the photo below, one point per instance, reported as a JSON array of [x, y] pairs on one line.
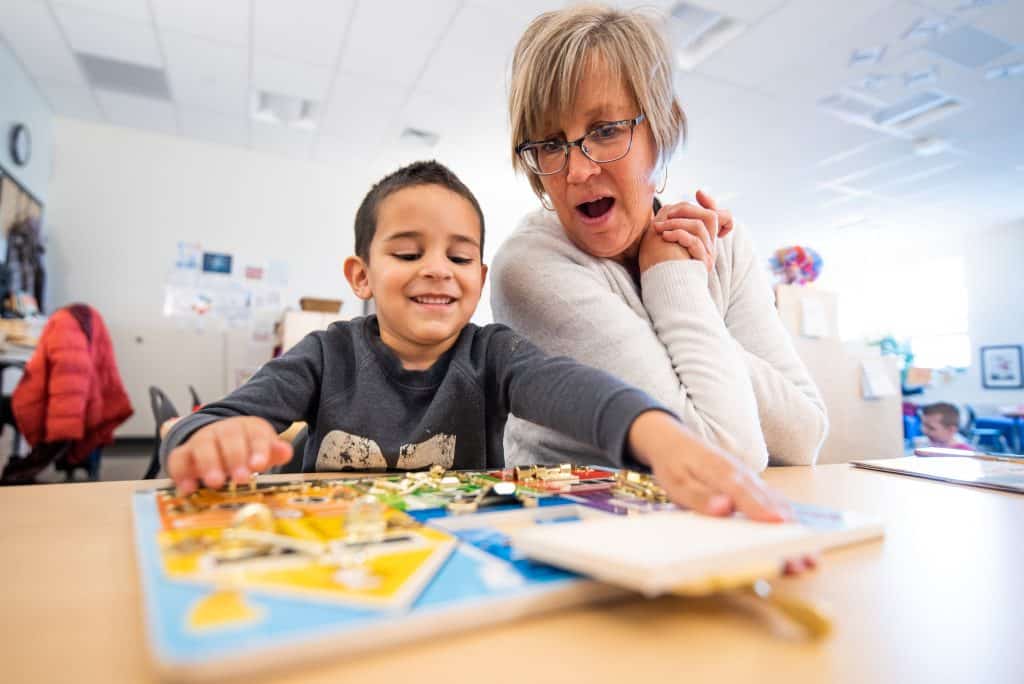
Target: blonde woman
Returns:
[[669, 298]]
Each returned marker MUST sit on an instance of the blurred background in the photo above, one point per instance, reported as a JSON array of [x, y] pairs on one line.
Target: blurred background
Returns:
[[192, 169]]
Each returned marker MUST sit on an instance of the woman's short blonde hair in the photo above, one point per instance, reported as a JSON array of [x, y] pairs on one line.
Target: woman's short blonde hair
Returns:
[[553, 55]]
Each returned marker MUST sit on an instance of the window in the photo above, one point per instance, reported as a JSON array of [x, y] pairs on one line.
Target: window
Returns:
[[925, 303]]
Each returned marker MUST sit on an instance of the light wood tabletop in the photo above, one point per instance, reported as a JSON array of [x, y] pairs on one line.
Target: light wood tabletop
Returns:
[[939, 600]]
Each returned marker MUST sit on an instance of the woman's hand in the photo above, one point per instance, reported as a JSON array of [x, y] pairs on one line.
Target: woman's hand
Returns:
[[694, 227], [699, 476]]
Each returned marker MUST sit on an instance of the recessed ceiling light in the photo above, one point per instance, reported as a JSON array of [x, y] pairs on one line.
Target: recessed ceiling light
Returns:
[[875, 81], [419, 136], [908, 112], [921, 76], [927, 27], [929, 147], [696, 33], [285, 110], [868, 55]]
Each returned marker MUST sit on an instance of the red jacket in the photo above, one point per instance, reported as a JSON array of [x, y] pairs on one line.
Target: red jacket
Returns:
[[71, 389]]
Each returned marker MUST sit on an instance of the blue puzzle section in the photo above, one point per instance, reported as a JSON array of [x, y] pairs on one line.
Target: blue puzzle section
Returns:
[[481, 569]]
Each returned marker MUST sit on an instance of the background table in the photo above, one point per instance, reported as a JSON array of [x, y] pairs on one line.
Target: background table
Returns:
[[939, 600]]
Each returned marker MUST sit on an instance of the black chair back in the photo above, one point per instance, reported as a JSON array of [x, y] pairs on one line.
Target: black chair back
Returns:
[[163, 410]]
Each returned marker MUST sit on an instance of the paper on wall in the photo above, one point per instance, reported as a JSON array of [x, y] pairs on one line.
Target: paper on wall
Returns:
[[875, 380], [813, 317]]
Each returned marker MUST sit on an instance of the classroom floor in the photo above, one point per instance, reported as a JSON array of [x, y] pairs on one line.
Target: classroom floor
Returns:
[[124, 460]]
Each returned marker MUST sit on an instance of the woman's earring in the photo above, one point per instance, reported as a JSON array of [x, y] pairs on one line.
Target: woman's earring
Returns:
[[664, 181], [544, 203]]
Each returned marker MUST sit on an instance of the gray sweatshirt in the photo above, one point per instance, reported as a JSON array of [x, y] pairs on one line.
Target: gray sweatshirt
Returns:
[[366, 412]]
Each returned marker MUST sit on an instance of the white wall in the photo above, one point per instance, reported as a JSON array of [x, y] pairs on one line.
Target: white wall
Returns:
[[20, 102]]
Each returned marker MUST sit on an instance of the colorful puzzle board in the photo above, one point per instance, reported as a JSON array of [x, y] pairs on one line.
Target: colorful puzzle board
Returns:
[[289, 596]]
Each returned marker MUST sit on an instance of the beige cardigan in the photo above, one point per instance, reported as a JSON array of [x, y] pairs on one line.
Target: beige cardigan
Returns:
[[712, 349]]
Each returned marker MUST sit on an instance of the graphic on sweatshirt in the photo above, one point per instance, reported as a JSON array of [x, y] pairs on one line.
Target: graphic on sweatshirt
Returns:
[[340, 450]]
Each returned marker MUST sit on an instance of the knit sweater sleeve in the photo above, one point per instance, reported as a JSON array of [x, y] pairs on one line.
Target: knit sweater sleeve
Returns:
[[790, 409], [679, 351]]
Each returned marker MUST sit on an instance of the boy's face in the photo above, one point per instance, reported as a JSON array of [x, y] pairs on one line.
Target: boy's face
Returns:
[[424, 271], [934, 430]]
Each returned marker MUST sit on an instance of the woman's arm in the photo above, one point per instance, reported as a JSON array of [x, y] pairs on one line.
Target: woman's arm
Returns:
[[570, 303], [792, 414]]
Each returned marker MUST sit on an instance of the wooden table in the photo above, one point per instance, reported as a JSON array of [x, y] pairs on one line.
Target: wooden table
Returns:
[[941, 599]]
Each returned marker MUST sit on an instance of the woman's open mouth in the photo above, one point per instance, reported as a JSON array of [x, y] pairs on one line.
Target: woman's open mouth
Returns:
[[596, 210]]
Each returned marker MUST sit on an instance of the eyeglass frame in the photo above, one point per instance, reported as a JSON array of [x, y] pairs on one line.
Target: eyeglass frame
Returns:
[[567, 145]]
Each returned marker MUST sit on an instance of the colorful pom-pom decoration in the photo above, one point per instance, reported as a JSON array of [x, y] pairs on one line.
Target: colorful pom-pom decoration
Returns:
[[796, 264]]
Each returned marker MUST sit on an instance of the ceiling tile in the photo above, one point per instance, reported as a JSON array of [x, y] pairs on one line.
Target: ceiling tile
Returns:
[[72, 101], [215, 127], [212, 75], [412, 30], [138, 112], [362, 107], [29, 28], [289, 77], [126, 9], [109, 36], [309, 31], [226, 21], [475, 54], [282, 140]]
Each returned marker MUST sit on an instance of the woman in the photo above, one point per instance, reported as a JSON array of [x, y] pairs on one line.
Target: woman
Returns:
[[669, 298]]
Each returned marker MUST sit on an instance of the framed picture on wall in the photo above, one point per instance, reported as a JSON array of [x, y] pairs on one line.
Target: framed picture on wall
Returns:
[[1001, 367]]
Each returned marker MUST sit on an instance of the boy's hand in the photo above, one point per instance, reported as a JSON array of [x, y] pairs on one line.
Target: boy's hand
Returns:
[[232, 448], [699, 476]]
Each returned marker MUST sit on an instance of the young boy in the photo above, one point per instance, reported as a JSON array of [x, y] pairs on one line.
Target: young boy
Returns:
[[940, 423], [417, 384]]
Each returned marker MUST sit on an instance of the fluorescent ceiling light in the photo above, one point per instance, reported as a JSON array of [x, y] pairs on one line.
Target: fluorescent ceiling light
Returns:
[[904, 113], [696, 33], [1005, 71], [921, 76]]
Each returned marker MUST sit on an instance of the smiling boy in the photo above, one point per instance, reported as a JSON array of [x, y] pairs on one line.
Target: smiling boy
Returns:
[[417, 384]]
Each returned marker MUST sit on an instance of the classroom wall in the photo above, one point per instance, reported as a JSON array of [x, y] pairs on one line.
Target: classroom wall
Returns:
[[20, 102], [122, 199]]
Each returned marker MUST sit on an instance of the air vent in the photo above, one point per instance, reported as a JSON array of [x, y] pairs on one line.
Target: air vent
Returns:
[[124, 77], [696, 33], [916, 109], [418, 136], [284, 110], [969, 47]]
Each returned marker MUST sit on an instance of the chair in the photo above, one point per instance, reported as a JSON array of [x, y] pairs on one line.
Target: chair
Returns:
[[6, 412], [163, 410], [989, 432], [196, 403], [298, 450]]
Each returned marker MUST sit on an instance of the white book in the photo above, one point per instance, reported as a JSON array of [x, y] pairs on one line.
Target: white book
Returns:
[[681, 551]]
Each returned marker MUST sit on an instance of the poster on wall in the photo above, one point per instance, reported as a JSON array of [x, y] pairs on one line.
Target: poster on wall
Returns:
[[1001, 367]]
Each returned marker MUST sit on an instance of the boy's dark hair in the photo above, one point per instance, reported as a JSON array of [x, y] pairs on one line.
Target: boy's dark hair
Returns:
[[949, 415], [417, 173]]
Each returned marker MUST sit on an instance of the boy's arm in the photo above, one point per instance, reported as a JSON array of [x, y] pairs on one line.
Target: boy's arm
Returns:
[[581, 402], [283, 391], [594, 407]]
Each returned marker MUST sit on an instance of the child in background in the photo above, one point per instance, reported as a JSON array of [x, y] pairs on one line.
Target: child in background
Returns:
[[417, 384], [940, 422]]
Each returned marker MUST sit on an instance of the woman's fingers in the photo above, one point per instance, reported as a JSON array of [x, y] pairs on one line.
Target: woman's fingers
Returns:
[[725, 221], [695, 227], [686, 210], [692, 244]]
